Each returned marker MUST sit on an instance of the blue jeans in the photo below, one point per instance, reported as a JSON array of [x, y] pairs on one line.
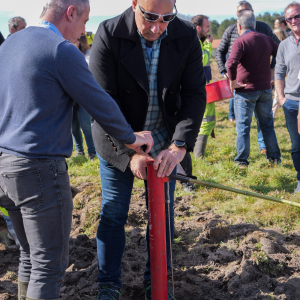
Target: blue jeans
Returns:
[[8, 223], [37, 196], [290, 108], [231, 114], [82, 119], [245, 103], [260, 138], [116, 192]]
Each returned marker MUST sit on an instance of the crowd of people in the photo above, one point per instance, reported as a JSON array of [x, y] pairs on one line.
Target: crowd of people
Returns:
[[143, 84]]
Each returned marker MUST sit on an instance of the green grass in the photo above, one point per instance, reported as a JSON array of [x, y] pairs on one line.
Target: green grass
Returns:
[[260, 177]]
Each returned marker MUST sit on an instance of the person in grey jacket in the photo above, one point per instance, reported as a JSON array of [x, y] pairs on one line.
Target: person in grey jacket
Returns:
[[287, 81], [35, 138], [224, 49]]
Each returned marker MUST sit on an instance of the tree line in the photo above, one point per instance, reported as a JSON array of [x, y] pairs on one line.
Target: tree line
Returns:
[[217, 29]]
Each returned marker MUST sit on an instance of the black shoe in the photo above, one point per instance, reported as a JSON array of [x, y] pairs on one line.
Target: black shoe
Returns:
[[188, 186], [107, 291], [148, 291], [92, 156]]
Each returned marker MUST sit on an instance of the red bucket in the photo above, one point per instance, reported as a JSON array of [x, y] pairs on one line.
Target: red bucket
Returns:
[[218, 91]]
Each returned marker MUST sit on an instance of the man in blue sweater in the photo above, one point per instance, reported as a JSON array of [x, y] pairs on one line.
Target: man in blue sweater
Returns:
[[38, 81]]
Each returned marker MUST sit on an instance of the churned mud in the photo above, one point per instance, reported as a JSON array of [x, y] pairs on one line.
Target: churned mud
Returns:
[[213, 259]]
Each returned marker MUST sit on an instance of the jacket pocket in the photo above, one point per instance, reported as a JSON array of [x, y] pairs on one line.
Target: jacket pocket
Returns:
[[25, 189]]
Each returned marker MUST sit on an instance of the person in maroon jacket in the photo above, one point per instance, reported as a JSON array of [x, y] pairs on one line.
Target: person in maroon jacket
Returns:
[[249, 73]]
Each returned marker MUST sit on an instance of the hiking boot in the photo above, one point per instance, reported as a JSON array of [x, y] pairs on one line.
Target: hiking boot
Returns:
[[275, 161], [22, 289], [243, 166], [263, 151], [107, 291], [188, 186], [92, 156], [147, 287], [79, 153], [200, 146]]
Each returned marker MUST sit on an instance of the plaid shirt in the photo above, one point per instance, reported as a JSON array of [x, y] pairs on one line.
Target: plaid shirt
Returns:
[[154, 120]]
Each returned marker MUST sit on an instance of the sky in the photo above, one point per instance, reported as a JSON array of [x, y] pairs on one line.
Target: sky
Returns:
[[101, 10]]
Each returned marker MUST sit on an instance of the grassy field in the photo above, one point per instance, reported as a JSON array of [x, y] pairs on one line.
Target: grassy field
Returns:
[[260, 177]]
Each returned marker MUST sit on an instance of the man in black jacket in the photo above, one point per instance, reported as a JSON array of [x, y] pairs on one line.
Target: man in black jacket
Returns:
[[224, 49], [150, 62], [2, 39]]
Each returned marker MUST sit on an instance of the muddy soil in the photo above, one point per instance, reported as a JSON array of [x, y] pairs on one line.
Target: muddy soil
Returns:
[[213, 259]]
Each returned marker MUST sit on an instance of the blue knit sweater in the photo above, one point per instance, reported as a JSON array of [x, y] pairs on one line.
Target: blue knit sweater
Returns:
[[40, 76]]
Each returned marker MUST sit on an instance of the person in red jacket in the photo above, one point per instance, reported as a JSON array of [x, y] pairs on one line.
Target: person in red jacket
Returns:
[[249, 73]]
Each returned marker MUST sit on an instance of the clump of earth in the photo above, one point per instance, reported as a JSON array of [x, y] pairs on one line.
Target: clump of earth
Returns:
[[213, 258]]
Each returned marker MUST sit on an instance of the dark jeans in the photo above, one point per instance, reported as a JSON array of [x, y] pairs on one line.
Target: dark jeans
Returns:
[[116, 192], [37, 195], [291, 108], [245, 103], [82, 119]]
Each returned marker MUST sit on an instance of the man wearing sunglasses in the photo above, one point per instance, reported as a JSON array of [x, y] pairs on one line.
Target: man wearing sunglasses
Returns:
[[150, 62], [287, 81], [224, 49]]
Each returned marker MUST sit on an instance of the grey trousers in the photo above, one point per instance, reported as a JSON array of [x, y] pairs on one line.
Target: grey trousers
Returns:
[[37, 196]]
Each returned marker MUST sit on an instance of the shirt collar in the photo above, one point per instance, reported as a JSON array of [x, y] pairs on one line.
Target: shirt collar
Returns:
[[50, 26], [247, 31], [162, 36]]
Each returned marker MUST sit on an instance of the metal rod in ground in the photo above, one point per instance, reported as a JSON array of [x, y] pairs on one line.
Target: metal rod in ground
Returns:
[[230, 189], [157, 234]]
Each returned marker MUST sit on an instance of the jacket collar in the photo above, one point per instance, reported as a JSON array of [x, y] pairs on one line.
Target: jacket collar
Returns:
[[127, 29]]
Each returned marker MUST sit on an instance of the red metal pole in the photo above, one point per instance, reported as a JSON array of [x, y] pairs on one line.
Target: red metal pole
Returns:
[[157, 234]]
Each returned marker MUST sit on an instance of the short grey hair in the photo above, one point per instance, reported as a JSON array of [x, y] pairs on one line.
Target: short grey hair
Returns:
[[246, 19], [293, 4], [13, 22], [61, 6], [244, 3]]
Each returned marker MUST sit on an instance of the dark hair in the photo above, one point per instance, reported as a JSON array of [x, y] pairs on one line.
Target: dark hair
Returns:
[[291, 5], [198, 20], [281, 19], [83, 45]]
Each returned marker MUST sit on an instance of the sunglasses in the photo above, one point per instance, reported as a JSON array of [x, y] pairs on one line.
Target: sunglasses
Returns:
[[296, 17], [152, 17]]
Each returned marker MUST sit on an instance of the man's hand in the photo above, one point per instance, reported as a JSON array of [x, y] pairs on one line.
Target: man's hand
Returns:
[[272, 76], [225, 76], [142, 138], [209, 38], [138, 164], [281, 100], [166, 160], [234, 85]]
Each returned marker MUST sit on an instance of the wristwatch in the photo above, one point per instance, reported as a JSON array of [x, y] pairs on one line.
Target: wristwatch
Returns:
[[180, 144]]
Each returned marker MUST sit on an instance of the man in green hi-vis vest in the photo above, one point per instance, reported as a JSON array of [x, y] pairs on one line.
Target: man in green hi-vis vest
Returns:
[[209, 119]]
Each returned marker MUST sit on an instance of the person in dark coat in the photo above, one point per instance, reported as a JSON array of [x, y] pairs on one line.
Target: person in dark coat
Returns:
[[150, 62], [224, 49], [2, 39]]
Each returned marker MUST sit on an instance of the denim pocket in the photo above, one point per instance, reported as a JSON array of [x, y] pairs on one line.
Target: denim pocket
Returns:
[[25, 189]]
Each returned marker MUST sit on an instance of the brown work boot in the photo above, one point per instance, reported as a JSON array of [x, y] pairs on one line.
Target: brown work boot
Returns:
[[22, 290], [263, 151]]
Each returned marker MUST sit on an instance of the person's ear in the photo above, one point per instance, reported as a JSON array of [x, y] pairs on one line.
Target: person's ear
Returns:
[[134, 4], [71, 12]]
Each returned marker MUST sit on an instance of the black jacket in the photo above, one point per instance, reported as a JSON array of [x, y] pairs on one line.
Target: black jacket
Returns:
[[117, 63], [231, 34], [2, 39]]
